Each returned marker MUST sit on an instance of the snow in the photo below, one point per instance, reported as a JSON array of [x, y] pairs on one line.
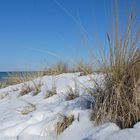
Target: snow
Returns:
[[31, 117]]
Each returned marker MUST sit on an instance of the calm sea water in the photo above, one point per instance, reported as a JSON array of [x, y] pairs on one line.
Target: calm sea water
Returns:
[[3, 76]]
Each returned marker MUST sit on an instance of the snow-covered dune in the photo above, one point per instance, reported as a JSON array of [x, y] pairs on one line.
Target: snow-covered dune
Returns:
[[35, 117]]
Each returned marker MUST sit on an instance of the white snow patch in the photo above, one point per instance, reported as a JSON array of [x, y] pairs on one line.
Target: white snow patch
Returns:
[[39, 123]]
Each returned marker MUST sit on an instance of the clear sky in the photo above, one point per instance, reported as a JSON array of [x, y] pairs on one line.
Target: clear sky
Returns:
[[41, 32]]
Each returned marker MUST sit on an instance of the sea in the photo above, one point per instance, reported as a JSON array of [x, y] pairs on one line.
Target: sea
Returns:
[[4, 76]]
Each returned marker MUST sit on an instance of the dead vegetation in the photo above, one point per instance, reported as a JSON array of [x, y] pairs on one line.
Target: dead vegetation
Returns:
[[36, 88], [52, 91], [3, 95], [72, 93], [61, 67], [119, 100], [57, 69], [28, 88], [30, 107], [25, 89], [64, 123], [21, 77], [84, 68]]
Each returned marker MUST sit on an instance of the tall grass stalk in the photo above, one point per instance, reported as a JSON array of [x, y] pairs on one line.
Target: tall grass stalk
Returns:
[[119, 100]]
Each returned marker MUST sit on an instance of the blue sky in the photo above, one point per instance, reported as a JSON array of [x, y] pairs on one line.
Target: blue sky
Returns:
[[35, 33]]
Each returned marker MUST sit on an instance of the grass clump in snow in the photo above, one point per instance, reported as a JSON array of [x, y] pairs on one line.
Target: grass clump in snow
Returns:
[[72, 93], [84, 68], [28, 108], [51, 92], [63, 67], [25, 89], [57, 69], [3, 95], [36, 88], [119, 100], [64, 123]]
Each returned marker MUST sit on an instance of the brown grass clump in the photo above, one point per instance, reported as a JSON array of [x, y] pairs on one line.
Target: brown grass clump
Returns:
[[25, 89], [62, 67], [119, 100], [30, 107], [65, 122], [57, 69], [51, 92], [84, 68], [71, 93], [36, 88]]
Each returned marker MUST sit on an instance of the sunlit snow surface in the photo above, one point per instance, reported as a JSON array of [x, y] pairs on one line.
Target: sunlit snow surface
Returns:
[[40, 124]]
